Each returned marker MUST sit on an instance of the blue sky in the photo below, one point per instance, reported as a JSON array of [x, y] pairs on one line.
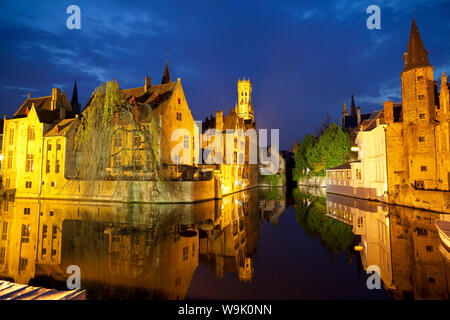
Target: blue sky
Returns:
[[305, 58]]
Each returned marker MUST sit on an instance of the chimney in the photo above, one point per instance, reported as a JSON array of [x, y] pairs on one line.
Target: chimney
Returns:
[[148, 83], [358, 115], [388, 111], [56, 94]]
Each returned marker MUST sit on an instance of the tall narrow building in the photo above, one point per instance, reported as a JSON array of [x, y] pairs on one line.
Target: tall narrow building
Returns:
[[244, 107], [76, 106]]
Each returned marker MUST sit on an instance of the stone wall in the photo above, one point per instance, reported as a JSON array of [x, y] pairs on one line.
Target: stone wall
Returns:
[[313, 182]]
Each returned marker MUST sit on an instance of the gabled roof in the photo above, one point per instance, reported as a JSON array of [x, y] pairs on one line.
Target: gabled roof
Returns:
[[416, 56], [43, 108], [155, 96], [61, 128]]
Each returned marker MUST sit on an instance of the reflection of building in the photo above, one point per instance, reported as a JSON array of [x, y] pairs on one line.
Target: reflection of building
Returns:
[[230, 245], [126, 251], [402, 242]]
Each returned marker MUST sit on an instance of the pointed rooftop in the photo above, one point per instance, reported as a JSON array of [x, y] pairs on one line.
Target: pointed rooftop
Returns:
[[74, 102], [416, 56], [166, 75], [353, 107]]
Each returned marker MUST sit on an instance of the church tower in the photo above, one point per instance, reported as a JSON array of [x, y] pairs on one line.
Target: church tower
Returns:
[[419, 113], [418, 92], [244, 105]]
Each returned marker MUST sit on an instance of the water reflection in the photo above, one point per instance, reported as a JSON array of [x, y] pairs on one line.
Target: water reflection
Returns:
[[132, 251], [402, 242], [143, 251]]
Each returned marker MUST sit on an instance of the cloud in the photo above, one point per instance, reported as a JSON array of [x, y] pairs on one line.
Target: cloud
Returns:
[[19, 88], [389, 90]]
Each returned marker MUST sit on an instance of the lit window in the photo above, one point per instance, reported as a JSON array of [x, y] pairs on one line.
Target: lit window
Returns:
[[29, 163]]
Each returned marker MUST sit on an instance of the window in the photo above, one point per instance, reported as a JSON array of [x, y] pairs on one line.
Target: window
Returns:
[[117, 161], [186, 142], [11, 136], [29, 163], [136, 139], [422, 232], [25, 233], [2, 255], [179, 101], [421, 139], [26, 211], [52, 183], [423, 168], [431, 280], [419, 184], [179, 116], [47, 166], [57, 166], [176, 238], [5, 206], [360, 222], [28, 184], [7, 183], [421, 97], [22, 264], [58, 145], [5, 230], [177, 282], [44, 231], [429, 248], [49, 146], [30, 134], [420, 78], [136, 159], [185, 253], [149, 163], [118, 139], [54, 232], [422, 116], [10, 159]]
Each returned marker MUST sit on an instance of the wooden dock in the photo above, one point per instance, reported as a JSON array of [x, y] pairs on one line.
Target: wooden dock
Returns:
[[14, 291]]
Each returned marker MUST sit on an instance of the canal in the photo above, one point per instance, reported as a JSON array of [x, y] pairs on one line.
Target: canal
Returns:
[[257, 244]]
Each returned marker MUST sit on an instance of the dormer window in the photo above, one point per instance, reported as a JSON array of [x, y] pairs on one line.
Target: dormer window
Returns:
[[419, 78]]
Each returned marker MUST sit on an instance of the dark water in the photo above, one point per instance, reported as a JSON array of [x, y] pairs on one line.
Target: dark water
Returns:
[[257, 244]]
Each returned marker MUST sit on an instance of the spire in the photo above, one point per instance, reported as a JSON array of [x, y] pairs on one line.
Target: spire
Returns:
[[344, 110], [166, 75], [353, 107], [416, 56], [74, 102]]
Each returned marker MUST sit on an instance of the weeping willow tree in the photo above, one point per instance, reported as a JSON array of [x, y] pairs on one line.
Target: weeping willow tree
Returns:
[[118, 139]]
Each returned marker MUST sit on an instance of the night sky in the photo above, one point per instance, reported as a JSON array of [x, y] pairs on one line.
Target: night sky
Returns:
[[305, 58]]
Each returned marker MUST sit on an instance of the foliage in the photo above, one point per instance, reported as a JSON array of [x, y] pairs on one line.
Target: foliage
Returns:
[[272, 179], [332, 148], [311, 216], [108, 114]]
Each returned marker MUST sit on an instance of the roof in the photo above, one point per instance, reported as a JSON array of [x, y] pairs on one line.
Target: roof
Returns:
[[42, 103], [166, 75], [61, 128], [416, 56], [155, 95], [343, 166]]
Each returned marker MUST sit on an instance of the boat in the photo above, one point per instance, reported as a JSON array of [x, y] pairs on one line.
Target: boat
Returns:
[[15, 291], [443, 227]]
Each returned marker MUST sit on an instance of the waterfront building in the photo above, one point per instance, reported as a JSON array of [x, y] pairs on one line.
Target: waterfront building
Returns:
[[404, 149]]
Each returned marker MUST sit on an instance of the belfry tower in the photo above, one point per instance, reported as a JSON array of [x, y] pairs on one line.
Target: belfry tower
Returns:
[[244, 108]]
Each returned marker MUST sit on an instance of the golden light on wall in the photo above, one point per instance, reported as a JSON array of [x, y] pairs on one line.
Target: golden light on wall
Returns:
[[359, 248]]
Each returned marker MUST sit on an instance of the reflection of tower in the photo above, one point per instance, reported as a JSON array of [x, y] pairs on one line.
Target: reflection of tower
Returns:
[[246, 269], [244, 107]]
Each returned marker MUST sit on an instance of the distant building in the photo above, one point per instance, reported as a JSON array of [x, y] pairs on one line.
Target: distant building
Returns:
[[351, 123]]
